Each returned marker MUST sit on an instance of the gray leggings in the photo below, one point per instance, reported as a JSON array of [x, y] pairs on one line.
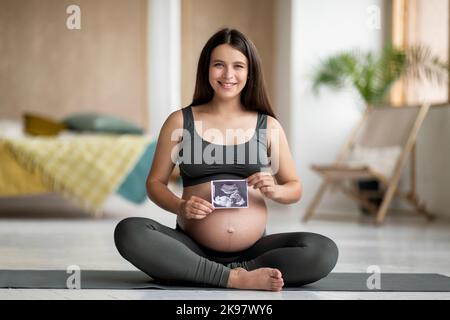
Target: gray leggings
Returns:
[[170, 256]]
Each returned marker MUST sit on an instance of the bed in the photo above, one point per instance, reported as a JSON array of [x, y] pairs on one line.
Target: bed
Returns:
[[85, 168]]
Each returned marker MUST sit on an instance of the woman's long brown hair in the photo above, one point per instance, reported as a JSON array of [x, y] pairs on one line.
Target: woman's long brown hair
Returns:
[[254, 95]]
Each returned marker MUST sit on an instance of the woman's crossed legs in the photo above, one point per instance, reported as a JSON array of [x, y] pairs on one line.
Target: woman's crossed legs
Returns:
[[171, 256]]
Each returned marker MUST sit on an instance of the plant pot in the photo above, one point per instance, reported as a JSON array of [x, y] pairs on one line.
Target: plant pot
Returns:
[[371, 186]]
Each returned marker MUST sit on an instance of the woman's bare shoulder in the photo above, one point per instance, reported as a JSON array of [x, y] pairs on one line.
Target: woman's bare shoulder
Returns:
[[273, 123], [175, 119], [274, 130], [173, 126]]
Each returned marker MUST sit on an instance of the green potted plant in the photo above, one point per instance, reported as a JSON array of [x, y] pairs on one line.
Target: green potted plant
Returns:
[[372, 76]]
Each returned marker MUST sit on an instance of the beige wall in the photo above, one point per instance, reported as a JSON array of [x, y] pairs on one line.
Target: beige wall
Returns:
[[202, 18], [432, 159], [47, 68], [428, 24]]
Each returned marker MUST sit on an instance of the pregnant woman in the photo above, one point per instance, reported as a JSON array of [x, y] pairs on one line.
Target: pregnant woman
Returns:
[[228, 132]]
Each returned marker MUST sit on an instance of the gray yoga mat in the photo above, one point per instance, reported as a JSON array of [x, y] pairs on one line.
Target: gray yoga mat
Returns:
[[112, 279]]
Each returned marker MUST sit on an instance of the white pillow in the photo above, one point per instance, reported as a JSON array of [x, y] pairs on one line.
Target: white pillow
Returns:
[[11, 128], [381, 160]]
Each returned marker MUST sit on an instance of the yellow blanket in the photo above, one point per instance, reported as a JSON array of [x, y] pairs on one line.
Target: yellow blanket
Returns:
[[85, 169], [15, 180]]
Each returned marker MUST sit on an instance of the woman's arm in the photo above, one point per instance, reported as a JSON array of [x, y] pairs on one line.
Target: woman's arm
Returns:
[[289, 188], [162, 165]]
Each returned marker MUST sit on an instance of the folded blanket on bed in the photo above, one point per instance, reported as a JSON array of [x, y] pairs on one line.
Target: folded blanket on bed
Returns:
[[14, 179], [85, 169]]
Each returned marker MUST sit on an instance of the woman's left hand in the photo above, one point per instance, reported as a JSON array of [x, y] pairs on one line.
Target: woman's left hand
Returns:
[[265, 182]]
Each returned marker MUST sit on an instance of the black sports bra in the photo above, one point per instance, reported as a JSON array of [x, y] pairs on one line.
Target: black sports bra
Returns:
[[201, 161]]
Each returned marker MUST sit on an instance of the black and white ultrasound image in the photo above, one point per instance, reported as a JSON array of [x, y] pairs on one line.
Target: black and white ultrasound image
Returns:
[[229, 194]]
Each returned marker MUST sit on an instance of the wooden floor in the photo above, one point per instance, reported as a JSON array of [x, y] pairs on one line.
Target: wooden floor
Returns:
[[30, 239]]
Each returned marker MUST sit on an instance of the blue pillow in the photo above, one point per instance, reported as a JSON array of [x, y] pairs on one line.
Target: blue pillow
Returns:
[[134, 188], [100, 123]]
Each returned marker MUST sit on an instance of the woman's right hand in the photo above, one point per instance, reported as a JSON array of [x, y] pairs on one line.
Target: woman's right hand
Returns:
[[195, 208]]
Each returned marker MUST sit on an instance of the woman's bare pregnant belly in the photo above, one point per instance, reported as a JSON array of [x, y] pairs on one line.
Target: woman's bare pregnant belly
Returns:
[[226, 230]]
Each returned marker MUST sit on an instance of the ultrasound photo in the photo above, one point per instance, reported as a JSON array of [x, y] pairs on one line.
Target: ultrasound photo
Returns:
[[229, 194]]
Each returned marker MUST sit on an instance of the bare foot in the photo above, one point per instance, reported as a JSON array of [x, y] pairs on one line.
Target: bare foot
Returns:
[[262, 279]]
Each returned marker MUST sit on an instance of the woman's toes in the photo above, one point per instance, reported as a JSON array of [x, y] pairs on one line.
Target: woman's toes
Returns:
[[276, 273], [277, 282], [277, 286]]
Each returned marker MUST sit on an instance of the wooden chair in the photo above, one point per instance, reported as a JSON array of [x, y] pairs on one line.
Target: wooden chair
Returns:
[[381, 128]]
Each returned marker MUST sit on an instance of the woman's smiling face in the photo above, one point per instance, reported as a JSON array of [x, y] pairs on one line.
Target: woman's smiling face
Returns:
[[228, 70]]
